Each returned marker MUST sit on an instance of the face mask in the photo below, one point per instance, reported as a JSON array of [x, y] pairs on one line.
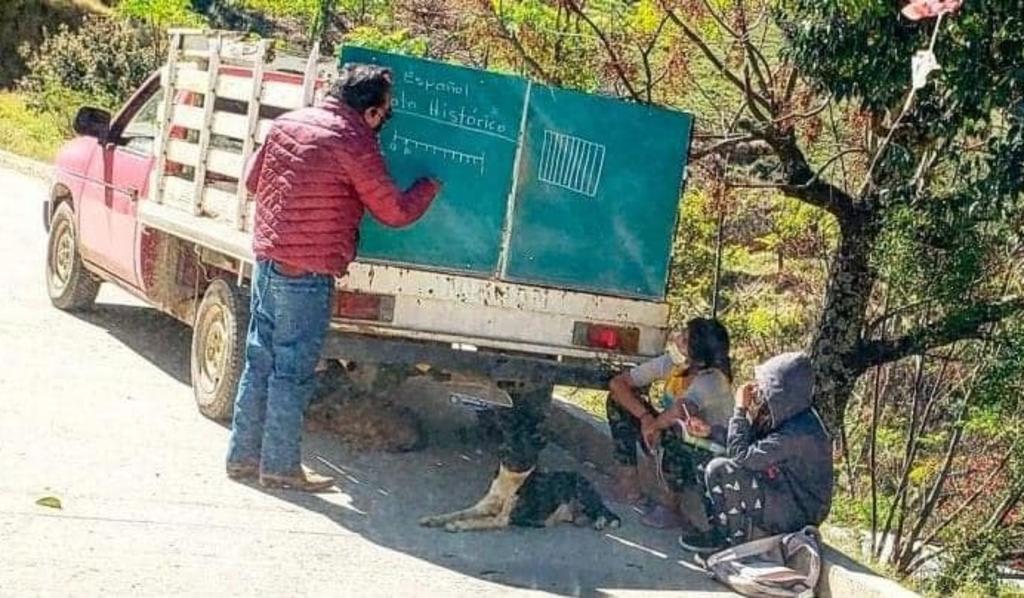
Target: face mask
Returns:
[[383, 121], [677, 355]]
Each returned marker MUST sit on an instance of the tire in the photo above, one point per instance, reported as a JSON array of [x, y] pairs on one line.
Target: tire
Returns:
[[71, 287], [218, 349]]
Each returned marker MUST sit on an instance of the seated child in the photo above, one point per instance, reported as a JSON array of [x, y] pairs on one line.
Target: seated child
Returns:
[[776, 477], [693, 420]]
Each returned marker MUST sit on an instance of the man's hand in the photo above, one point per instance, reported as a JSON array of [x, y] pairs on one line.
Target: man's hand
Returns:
[[649, 431], [695, 426], [745, 395]]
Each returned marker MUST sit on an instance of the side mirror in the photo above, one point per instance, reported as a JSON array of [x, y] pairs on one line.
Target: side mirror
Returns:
[[92, 122]]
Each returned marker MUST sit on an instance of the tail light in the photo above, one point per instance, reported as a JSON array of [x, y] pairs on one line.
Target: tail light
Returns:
[[606, 338], [362, 306]]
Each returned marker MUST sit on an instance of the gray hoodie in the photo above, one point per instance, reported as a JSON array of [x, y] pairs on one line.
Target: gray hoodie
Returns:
[[793, 457]]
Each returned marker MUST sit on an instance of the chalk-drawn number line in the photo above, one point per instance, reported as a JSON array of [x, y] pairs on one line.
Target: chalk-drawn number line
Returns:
[[408, 145]]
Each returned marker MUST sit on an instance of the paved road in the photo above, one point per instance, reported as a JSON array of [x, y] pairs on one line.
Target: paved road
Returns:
[[96, 410]]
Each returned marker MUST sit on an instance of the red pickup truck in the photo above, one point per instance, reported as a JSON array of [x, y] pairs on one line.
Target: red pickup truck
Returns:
[[149, 199]]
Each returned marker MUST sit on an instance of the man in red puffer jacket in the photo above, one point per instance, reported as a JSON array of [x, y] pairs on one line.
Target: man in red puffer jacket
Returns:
[[318, 171]]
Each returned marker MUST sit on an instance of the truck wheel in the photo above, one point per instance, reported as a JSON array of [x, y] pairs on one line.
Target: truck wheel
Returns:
[[70, 286], [218, 349]]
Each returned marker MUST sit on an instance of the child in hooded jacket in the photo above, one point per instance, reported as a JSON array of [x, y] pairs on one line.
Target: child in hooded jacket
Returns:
[[777, 475]]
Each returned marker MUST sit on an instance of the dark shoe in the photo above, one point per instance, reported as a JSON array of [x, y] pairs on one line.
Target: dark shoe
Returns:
[[644, 505], [701, 543], [242, 471], [661, 517], [305, 480], [691, 507]]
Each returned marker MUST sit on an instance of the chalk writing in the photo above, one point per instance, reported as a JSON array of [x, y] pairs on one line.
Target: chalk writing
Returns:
[[460, 115], [571, 163], [408, 146], [454, 114], [410, 77]]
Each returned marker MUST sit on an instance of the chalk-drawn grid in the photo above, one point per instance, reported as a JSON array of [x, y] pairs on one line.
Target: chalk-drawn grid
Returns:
[[571, 163]]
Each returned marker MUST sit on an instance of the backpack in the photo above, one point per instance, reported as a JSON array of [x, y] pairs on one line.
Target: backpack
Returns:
[[787, 565]]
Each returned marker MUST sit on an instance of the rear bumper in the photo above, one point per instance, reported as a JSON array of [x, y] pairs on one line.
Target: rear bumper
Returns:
[[499, 315], [495, 366]]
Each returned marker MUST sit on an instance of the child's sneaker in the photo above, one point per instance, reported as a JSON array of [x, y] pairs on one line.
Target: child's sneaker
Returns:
[[702, 543]]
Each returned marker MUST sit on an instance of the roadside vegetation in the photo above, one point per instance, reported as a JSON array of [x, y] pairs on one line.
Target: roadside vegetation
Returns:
[[24, 132], [826, 208]]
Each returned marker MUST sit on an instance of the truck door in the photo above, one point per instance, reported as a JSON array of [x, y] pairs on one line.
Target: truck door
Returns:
[[118, 177]]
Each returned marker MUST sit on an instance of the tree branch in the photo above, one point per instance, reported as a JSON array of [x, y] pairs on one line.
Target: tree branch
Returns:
[[787, 96], [534, 66], [982, 488], [810, 192], [898, 311], [701, 150], [961, 325], [720, 20], [645, 54], [902, 558], [803, 115], [751, 95], [754, 55], [612, 54], [801, 182], [1013, 497], [717, 62]]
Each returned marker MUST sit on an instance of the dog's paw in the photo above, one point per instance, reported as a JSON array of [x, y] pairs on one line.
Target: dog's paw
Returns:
[[433, 521], [453, 527], [609, 522]]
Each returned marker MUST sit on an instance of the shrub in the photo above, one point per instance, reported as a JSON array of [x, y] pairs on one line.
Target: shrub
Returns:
[[400, 41], [26, 21], [102, 63], [161, 13]]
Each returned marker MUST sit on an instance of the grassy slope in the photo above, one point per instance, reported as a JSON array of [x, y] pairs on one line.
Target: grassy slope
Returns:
[[27, 133]]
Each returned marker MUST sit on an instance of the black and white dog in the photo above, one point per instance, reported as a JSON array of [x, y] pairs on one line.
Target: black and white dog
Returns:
[[531, 499], [519, 494]]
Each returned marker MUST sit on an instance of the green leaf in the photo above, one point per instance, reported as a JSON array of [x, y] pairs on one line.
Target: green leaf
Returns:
[[49, 501]]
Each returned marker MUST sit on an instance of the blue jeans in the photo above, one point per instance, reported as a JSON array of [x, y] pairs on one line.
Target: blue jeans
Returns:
[[289, 319]]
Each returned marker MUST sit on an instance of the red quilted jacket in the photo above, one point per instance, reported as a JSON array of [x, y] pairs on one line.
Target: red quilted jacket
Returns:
[[313, 177]]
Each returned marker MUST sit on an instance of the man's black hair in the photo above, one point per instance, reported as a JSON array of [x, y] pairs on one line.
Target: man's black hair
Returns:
[[362, 86]]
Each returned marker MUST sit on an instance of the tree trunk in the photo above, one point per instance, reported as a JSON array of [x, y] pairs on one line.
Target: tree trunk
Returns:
[[836, 342]]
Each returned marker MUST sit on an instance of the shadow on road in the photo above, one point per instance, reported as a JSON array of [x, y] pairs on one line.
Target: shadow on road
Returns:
[[383, 496], [162, 340]]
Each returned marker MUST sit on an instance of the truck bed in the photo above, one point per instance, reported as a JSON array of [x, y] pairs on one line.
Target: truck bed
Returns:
[[452, 308], [194, 195]]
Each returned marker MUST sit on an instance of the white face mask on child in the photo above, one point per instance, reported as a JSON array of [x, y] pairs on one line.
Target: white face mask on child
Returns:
[[678, 357]]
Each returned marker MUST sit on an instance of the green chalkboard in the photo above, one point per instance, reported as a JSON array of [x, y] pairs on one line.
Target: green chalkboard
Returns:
[[541, 185], [460, 125], [598, 193]]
